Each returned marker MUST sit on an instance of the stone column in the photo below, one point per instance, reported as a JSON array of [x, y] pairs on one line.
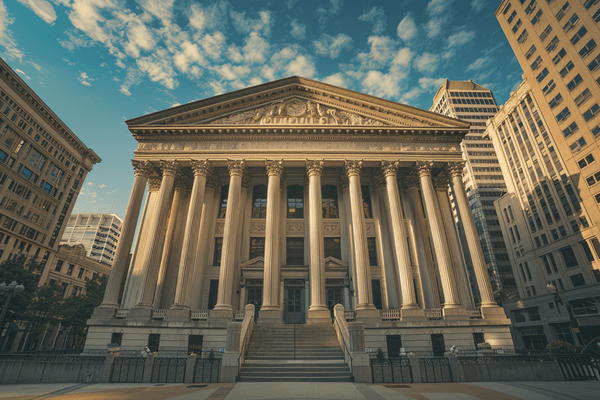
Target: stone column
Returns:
[[483, 281], [190, 238], [181, 188], [318, 311], [361, 251], [462, 282], [150, 265], [224, 308], [111, 294], [400, 244], [270, 311], [420, 242], [438, 236]]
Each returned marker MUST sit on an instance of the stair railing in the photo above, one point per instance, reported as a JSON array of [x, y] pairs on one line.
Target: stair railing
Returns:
[[341, 329], [245, 333]]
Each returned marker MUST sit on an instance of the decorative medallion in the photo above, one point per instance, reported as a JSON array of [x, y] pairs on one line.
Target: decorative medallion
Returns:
[[295, 108]]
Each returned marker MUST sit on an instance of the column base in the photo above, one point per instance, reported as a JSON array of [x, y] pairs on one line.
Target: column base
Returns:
[[177, 315], [494, 313], [219, 316], [139, 314], [412, 314], [272, 316], [103, 313], [319, 316], [368, 315], [454, 312]]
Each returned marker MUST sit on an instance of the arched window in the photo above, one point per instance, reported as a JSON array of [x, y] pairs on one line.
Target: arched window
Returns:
[[295, 201], [259, 201], [329, 200], [223, 202], [366, 196]]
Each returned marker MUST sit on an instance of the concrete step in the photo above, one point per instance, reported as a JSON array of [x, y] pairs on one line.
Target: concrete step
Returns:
[[340, 378]]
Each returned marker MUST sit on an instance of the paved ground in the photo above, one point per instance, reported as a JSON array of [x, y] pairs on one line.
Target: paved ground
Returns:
[[292, 390]]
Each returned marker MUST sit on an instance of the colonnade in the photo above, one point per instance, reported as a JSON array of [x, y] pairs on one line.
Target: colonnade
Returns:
[[155, 247]]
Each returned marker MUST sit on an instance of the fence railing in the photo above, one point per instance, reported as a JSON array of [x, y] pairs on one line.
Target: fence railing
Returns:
[[390, 315], [158, 314], [433, 313], [201, 315]]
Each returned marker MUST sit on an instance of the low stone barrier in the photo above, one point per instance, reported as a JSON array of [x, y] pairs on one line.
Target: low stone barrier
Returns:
[[51, 369]]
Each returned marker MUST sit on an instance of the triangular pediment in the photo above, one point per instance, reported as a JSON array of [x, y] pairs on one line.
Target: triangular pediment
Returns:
[[257, 262], [332, 262], [296, 101]]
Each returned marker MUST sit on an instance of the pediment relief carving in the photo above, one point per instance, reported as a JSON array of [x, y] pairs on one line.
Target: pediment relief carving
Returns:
[[297, 111], [332, 262], [257, 262]]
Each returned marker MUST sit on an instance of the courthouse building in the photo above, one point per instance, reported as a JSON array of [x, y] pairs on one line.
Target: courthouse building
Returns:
[[295, 196]]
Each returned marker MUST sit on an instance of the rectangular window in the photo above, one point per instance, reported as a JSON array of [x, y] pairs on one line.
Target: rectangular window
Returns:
[[523, 37], [294, 251], [552, 45], [586, 249], [116, 338], [579, 143], [569, 257], [559, 56], [59, 265], [549, 87], [580, 33], [577, 280], [70, 270], [542, 75], [257, 247], [518, 315], [153, 342], [584, 306], [569, 130], [592, 66], [530, 52], [195, 344], [587, 160], [533, 313], [589, 3], [555, 101], [583, 97], [218, 252], [592, 112], [545, 33], [561, 13], [588, 48], [517, 25], [571, 23], [536, 64], [332, 247], [563, 115], [80, 274], [567, 68], [372, 246], [510, 19]]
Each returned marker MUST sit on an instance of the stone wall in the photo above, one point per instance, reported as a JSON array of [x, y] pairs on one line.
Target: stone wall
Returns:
[[51, 369]]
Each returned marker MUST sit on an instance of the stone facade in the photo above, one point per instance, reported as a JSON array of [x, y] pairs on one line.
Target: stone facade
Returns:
[[295, 196]]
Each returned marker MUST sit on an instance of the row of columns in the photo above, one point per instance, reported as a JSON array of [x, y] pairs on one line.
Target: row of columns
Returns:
[[153, 267]]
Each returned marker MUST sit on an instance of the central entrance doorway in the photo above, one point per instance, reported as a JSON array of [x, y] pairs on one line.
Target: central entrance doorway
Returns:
[[294, 302]]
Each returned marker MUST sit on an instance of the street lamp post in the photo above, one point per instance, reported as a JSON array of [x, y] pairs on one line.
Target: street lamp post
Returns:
[[10, 290]]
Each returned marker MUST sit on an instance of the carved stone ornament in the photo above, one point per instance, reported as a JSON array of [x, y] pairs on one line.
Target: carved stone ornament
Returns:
[[274, 167], [378, 181], [440, 183], [410, 182], [169, 167], [314, 167], [257, 227], [295, 227], [344, 182], [353, 167], [296, 112], [246, 181], [182, 183], [456, 168], [220, 227], [142, 168], [154, 184], [236, 167], [212, 181], [424, 167], [201, 167], [389, 168]]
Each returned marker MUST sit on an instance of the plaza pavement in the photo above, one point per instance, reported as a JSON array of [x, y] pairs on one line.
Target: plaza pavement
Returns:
[[303, 390]]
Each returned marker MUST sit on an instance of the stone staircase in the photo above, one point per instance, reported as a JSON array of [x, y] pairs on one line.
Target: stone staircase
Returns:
[[294, 353]]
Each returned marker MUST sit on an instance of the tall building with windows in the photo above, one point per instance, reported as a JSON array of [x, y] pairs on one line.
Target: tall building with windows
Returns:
[[482, 176], [553, 243], [98, 233], [43, 165]]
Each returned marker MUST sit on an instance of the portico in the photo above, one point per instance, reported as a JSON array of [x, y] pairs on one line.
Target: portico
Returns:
[[295, 196]]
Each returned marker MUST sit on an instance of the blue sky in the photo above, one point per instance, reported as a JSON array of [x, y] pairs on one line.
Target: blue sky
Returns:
[[97, 63]]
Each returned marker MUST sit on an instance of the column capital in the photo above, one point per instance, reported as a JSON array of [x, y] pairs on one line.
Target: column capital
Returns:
[[154, 184], [314, 167], [344, 182], [142, 168], [456, 168], [212, 181], [440, 183], [353, 167], [410, 182], [274, 167], [182, 183], [169, 167], [389, 168], [424, 167], [201, 167], [246, 182], [236, 167], [379, 181]]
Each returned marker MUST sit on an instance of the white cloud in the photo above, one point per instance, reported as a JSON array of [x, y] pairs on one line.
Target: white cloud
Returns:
[[383, 50], [6, 39], [411, 95], [336, 79], [291, 3], [323, 14], [245, 25], [431, 83], [380, 84], [93, 194], [85, 79], [232, 73], [479, 63], [133, 77], [332, 46], [437, 7], [407, 29], [22, 73], [427, 62], [403, 57], [255, 49], [102, 186], [42, 9], [234, 53], [298, 30], [376, 16], [90, 184], [440, 14], [158, 68], [74, 41], [301, 66], [477, 5], [460, 38]]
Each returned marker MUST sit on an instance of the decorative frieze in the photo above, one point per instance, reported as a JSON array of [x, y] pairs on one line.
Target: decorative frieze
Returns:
[[296, 227], [331, 228], [257, 226]]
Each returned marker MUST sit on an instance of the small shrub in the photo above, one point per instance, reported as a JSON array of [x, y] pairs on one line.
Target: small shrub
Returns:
[[560, 347]]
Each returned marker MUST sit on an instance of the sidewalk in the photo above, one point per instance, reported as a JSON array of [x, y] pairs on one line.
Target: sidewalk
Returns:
[[302, 390]]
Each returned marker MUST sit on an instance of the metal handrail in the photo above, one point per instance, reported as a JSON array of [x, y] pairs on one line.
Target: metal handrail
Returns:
[[341, 328]]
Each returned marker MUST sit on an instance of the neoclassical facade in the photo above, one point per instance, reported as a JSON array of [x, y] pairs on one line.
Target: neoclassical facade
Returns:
[[294, 196]]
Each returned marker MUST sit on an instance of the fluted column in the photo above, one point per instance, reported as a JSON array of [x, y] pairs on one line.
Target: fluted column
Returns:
[[271, 269], [361, 251], [401, 246], [230, 235], [190, 238], [438, 236], [153, 248], [483, 281], [318, 306], [181, 188], [111, 294]]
